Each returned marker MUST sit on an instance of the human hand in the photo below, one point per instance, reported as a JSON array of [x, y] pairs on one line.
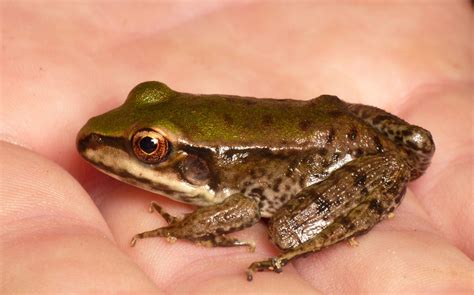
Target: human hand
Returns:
[[64, 63]]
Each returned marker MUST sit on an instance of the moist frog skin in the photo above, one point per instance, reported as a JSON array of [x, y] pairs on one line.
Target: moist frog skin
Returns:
[[320, 171]]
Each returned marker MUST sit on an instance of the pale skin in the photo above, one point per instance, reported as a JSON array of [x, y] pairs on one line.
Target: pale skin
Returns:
[[68, 63]]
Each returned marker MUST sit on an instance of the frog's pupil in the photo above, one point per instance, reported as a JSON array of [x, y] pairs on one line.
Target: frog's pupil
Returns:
[[148, 144]]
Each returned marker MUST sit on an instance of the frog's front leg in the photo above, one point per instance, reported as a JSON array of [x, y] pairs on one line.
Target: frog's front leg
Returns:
[[208, 225], [348, 203], [154, 206]]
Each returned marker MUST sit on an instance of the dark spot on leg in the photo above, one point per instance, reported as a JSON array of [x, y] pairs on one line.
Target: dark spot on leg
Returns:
[[403, 191], [376, 206], [322, 152], [305, 125], [322, 204], [412, 145], [359, 152], [399, 198], [380, 118], [360, 179], [335, 157], [352, 135], [407, 132], [331, 135], [378, 144], [309, 159], [253, 173], [276, 184], [347, 223], [394, 190], [257, 192], [364, 191]]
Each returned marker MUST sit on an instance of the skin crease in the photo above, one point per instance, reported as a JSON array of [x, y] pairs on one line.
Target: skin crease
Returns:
[[69, 62]]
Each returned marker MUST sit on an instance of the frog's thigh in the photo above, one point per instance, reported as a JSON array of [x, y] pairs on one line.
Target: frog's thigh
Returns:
[[208, 225], [348, 203]]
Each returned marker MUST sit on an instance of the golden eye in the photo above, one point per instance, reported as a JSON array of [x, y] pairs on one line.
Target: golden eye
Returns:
[[149, 146]]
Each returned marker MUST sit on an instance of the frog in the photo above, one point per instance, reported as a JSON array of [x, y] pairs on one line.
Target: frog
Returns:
[[318, 171]]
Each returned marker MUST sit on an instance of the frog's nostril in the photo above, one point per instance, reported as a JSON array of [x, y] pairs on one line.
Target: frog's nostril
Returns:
[[82, 142], [85, 141]]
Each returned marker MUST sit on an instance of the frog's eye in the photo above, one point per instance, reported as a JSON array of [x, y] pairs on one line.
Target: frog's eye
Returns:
[[149, 146]]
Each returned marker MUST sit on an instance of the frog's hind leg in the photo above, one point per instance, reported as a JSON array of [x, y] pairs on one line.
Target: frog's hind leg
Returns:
[[348, 203], [415, 141], [340, 230], [208, 225]]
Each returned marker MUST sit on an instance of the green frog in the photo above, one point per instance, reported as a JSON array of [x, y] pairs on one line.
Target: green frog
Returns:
[[319, 171]]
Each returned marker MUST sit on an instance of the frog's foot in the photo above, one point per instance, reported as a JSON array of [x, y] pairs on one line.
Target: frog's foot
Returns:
[[159, 232], [157, 208], [391, 215], [225, 241], [353, 242], [207, 225], [166, 232], [274, 264]]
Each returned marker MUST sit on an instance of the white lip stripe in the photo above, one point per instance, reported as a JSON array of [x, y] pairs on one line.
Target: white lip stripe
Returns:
[[110, 157]]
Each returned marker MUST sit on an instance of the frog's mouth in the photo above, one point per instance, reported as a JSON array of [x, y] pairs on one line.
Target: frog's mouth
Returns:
[[113, 156]]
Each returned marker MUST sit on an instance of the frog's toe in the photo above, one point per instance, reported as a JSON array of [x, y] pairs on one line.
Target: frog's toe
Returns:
[[150, 208], [251, 246], [353, 242], [133, 241], [274, 264], [249, 274], [155, 207]]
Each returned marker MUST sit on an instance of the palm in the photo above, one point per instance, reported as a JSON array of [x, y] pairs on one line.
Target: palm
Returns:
[[379, 55]]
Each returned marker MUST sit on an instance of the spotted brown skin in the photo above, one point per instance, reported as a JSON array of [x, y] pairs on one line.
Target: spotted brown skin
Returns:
[[321, 171]]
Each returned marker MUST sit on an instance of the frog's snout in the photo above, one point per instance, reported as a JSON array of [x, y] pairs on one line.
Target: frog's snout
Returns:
[[86, 141]]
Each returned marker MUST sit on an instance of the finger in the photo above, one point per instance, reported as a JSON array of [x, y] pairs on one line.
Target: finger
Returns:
[[53, 238]]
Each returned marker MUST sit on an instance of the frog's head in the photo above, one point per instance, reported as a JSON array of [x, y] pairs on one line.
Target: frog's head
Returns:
[[138, 143]]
